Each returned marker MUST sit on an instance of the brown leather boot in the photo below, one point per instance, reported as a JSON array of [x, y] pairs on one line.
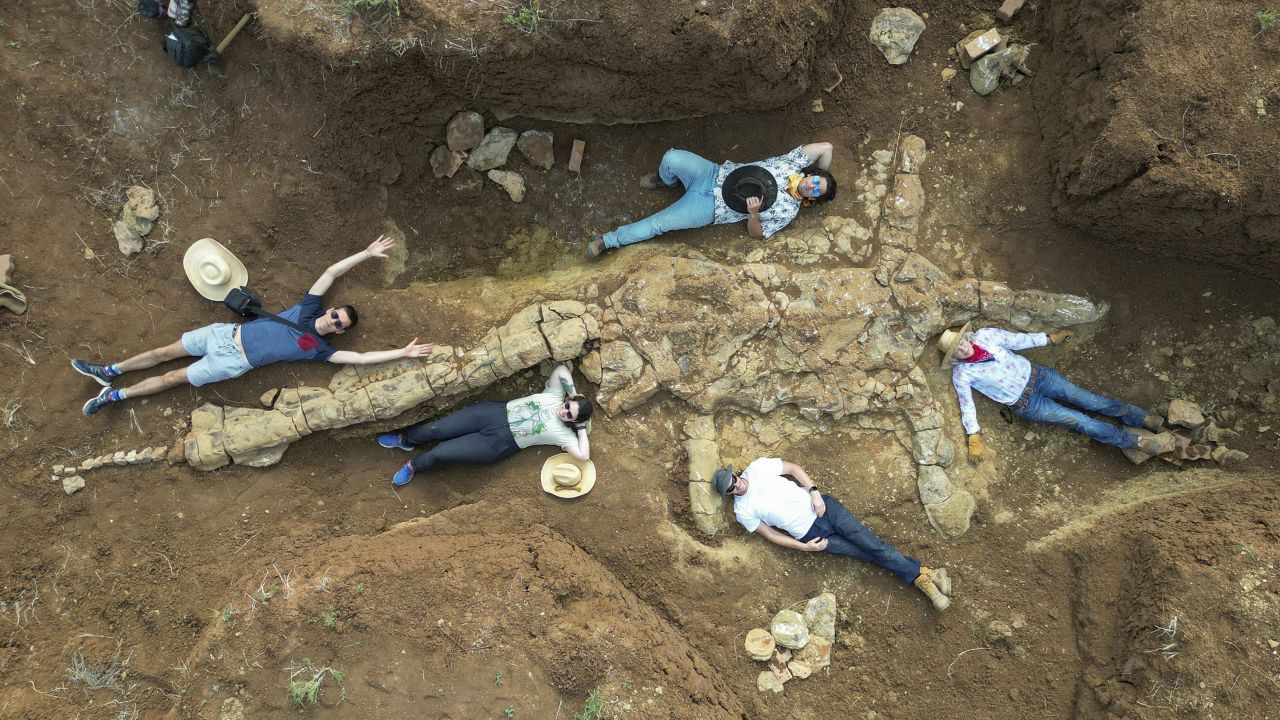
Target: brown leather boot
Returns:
[[924, 581]]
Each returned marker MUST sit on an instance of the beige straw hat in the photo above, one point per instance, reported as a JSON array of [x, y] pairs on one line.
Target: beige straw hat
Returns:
[[950, 338], [212, 269], [565, 476]]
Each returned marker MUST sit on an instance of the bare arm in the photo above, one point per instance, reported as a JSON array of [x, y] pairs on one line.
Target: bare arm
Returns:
[[561, 373], [582, 451], [378, 248], [786, 541], [819, 154], [754, 228], [413, 349], [804, 481]]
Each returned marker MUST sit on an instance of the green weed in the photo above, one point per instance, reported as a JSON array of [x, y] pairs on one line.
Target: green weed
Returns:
[[355, 7], [1245, 550], [305, 682], [1266, 19], [359, 588], [510, 712], [593, 707], [330, 617], [225, 614], [497, 680], [527, 17]]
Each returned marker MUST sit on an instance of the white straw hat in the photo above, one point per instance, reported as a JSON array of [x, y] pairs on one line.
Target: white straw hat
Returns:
[[565, 476], [212, 269], [949, 340]]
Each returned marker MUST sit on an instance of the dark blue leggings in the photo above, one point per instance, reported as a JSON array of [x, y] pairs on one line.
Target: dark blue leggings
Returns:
[[476, 434], [847, 536]]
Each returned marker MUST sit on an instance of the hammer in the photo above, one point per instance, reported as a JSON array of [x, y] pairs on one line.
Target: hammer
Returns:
[[215, 55]]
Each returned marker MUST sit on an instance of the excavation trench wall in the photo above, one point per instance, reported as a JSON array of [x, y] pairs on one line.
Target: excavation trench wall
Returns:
[[1150, 116]]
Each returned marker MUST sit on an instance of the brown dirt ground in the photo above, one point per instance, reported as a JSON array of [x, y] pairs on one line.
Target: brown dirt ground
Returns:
[[172, 569]]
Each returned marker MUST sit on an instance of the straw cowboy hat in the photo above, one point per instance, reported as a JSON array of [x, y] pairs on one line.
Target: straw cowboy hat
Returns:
[[565, 476], [212, 269], [949, 340]]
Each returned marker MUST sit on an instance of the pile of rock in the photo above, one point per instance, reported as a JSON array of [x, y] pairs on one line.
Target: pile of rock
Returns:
[[70, 474], [988, 56], [795, 645], [485, 152], [1198, 438], [137, 216]]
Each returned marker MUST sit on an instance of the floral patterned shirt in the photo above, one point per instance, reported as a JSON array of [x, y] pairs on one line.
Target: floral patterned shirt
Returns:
[[784, 208], [533, 419], [1002, 378]]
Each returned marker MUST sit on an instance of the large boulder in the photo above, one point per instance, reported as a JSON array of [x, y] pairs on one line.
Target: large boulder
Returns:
[[895, 31]]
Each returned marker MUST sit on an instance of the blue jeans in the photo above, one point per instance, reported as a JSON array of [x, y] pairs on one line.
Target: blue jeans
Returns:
[[696, 209], [476, 434], [847, 536], [1052, 394]]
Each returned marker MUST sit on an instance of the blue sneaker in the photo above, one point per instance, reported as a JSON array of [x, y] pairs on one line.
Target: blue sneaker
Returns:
[[394, 441], [95, 405], [98, 372], [403, 475]]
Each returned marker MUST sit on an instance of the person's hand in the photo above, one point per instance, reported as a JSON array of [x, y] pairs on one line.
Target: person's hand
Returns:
[[819, 505], [414, 350], [815, 545], [1058, 336], [976, 450], [753, 205], [379, 247]]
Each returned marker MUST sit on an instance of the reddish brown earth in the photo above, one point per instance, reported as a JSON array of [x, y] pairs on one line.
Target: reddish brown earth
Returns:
[[212, 586]]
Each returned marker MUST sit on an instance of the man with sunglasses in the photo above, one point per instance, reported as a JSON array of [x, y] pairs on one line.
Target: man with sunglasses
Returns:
[[801, 178], [487, 432], [796, 515], [229, 350]]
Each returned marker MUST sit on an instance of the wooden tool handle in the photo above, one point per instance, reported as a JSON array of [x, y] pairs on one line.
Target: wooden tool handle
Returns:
[[234, 31]]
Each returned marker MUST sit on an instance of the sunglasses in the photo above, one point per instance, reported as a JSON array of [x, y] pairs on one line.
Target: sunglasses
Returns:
[[337, 322], [816, 190], [569, 410]]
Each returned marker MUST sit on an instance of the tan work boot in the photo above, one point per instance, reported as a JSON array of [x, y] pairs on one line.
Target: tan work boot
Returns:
[[941, 581], [1153, 422], [924, 581]]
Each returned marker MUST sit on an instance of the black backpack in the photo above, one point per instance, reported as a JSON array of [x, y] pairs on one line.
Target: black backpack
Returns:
[[187, 46]]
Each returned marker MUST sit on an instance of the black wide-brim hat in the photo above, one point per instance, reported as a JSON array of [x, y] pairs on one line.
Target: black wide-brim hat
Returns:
[[746, 182]]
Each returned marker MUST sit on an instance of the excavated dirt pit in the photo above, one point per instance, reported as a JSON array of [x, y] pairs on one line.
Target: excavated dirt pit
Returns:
[[1131, 592]]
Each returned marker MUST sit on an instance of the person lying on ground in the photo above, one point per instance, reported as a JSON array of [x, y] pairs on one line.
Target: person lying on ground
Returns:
[[229, 350], [177, 10], [987, 361], [796, 515], [767, 194], [487, 432]]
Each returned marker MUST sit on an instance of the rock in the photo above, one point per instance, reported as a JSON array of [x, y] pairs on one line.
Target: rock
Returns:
[[984, 75], [1185, 413], [820, 617], [1009, 9], [998, 632], [87, 465], [895, 31], [131, 457], [788, 629], [57, 469], [979, 44], [816, 653], [766, 680], [492, 152], [1273, 644], [1225, 456], [948, 508], [911, 154], [1136, 456], [445, 162], [576, 155], [799, 670], [128, 239], [510, 181], [72, 484], [538, 147], [591, 367], [119, 458], [760, 645], [817, 105], [140, 210], [465, 130], [6, 269], [904, 204], [948, 73]]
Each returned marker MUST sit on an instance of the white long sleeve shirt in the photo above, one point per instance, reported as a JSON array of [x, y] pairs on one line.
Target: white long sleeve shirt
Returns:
[[1002, 378]]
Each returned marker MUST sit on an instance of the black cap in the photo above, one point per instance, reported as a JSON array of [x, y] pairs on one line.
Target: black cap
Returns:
[[723, 480]]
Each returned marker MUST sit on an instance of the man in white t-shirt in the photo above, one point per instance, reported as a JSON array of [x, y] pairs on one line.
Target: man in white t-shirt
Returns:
[[796, 515], [487, 432]]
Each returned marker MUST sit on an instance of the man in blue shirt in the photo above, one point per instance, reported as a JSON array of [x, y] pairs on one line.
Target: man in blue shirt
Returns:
[[228, 350]]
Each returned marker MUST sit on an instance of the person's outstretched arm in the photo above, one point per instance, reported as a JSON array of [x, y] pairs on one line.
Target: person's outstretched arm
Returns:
[[819, 154], [786, 541], [561, 379], [412, 350], [582, 450], [378, 248]]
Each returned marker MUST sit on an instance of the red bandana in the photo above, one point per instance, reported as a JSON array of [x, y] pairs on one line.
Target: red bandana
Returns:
[[978, 355]]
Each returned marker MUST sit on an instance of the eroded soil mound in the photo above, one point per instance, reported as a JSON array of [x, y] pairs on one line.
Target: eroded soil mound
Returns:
[[1160, 121]]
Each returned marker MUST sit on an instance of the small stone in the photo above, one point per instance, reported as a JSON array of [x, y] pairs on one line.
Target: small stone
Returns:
[[1185, 413], [538, 147], [979, 44], [492, 152], [140, 209], [998, 631], [119, 458], [895, 32], [510, 181], [128, 239], [465, 130], [1018, 621], [1225, 456], [948, 73], [788, 629], [72, 484], [89, 254], [6, 269], [799, 670], [817, 105], [820, 616], [87, 465], [1261, 105], [176, 454], [759, 644], [1273, 644], [1009, 9], [445, 162], [576, 155], [57, 469], [131, 457], [766, 680], [984, 75], [911, 154]]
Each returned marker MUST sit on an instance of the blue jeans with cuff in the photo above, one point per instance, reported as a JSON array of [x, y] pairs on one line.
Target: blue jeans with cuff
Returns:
[[1052, 395], [476, 434], [696, 209], [847, 536]]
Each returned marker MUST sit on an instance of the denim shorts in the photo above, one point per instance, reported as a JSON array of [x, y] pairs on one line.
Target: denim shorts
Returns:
[[221, 360]]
